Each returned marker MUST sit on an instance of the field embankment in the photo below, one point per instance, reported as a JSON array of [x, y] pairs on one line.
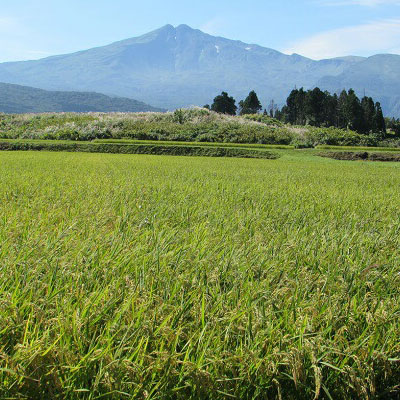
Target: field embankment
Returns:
[[362, 155], [130, 148]]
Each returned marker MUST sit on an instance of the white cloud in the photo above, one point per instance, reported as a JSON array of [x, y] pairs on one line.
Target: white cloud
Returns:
[[381, 36]]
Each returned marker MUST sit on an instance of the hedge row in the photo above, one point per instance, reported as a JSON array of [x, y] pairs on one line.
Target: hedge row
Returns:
[[139, 149], [361, 155]]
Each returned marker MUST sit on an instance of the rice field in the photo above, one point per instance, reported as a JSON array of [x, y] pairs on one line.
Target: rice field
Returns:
[[160, 277]]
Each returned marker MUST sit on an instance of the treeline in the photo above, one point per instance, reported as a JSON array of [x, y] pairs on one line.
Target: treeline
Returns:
[[322, 109], [226, 104], [316, 108]]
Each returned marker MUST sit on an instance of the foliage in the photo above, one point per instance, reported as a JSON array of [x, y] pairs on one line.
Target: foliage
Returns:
[[394, 126], [224, 104], [186, 125], [250, 105], [321, 109], [263, 118], [126, 148], [182, 125], [366, 156]]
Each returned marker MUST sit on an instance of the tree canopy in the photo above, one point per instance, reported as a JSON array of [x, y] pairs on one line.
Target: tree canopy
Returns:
[[346, 111], [224, 104], [250, 105]]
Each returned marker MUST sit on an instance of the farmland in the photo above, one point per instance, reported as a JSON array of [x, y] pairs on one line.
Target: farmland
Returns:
[[161, 277]]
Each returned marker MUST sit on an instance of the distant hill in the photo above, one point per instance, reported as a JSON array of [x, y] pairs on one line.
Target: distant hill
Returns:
[[22, 99], [180, 66]]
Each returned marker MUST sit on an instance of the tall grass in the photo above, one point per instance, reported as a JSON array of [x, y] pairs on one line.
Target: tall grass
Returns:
[[190, 125], [145, 277]]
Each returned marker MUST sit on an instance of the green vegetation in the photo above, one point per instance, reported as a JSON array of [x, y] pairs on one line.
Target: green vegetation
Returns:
[[358, 148], [347, 111], [124, 276], [224, 104], [394, 125], [193, 125], [23, 99], [317, 108], [131, 148], [250, 105], [362, 155]]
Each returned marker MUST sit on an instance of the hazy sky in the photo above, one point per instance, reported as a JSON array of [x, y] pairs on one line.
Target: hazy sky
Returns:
[[31, 29]]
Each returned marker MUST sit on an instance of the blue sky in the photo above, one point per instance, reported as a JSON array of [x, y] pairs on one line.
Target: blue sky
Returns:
[[31, 29]]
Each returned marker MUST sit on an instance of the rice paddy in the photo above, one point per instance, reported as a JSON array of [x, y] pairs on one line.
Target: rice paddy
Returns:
[[161, 277]]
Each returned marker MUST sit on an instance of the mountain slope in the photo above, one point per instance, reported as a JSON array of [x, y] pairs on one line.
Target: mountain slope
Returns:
[[174, 67], [22, 99], [378, 76]]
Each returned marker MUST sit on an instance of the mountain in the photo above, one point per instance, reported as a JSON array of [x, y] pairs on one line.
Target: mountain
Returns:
[[378, 75], [22, 99], [176, 67]]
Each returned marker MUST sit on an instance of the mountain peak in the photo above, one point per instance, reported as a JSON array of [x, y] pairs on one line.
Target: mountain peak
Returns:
[[184, 27], [173, 67], [166, 28]]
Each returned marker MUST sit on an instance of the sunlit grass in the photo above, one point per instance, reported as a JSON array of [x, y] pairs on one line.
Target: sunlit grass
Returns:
[[126, 276]]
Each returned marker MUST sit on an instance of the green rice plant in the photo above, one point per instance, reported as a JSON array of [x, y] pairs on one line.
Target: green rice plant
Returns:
[[130, 148], [145, 277]]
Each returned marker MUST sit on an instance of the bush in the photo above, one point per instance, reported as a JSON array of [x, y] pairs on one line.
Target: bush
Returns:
[[138, 149], [192, 125]]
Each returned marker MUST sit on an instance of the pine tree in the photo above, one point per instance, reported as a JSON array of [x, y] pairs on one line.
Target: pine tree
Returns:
[[380, 124], [368, 106], [224, 104], [251, 105], [343, 118], [354, 110], [314, 106], [330, 109], [291, 107]]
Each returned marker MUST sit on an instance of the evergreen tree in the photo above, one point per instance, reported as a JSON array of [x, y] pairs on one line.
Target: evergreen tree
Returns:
[[314, 107], [368, 123], [279, 114], [296, 107], [251, 105], [291, 107], [380, 125], [330, 109], [343, 118], [354, 111], [345, 111], [301, 107], [224, 104]]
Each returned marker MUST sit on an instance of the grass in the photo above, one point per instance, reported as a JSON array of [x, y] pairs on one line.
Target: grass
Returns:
[[135, 148], [191, 125], [144, 277], [203, 144], [364, 156], [357, 148]]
